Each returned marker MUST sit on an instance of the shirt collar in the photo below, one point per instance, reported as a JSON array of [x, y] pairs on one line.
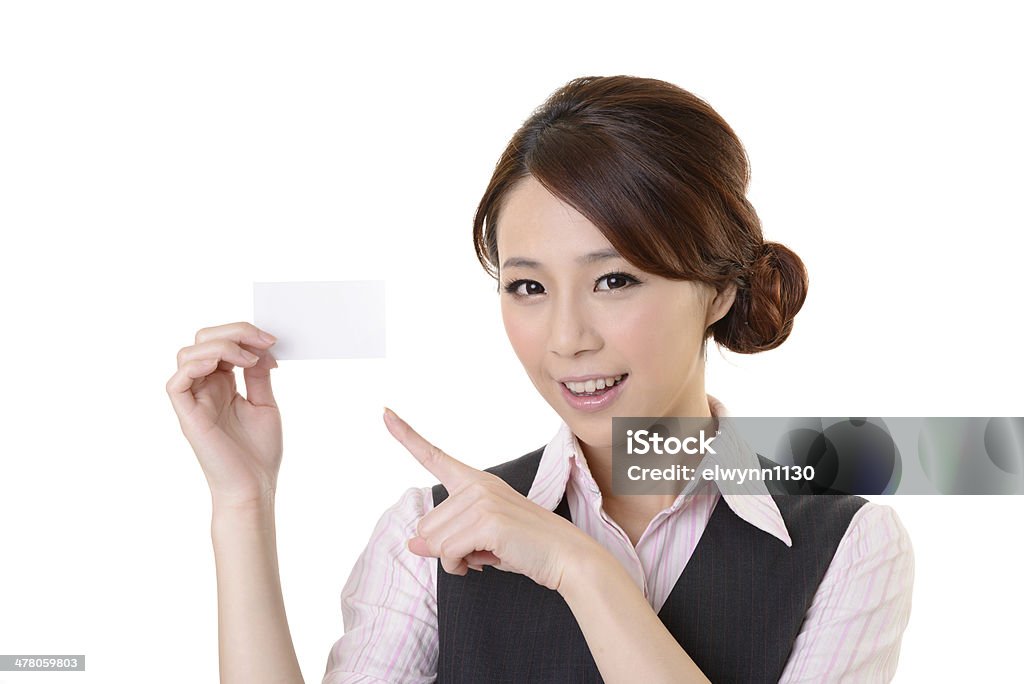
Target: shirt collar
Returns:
[[751, 500]]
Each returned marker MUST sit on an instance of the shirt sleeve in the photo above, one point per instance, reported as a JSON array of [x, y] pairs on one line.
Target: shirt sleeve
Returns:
[[389, 605], [854, 627]]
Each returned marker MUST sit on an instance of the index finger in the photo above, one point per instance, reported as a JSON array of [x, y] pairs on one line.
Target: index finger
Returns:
[[451, 472], [241, 331]]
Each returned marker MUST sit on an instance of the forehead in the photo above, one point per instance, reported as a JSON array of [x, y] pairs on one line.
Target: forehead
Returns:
[[533, 222]]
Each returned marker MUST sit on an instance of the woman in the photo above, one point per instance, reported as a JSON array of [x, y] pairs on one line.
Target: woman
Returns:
[[617, 225]]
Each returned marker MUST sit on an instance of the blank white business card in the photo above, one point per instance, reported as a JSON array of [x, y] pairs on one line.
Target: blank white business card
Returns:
[[322, 320]]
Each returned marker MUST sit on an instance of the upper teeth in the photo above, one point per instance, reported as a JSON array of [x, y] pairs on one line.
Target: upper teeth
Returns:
[[592, 385]]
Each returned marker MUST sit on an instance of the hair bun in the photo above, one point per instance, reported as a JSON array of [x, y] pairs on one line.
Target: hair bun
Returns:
[[772, 292]]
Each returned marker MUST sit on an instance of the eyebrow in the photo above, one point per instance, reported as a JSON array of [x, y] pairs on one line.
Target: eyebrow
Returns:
[[593, 257]]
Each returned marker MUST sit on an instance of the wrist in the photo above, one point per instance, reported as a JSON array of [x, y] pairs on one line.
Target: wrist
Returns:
[[249, 514], [245, 504], [586, 571]]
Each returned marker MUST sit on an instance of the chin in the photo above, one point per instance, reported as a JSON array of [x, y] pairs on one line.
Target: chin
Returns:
[[596, 431]]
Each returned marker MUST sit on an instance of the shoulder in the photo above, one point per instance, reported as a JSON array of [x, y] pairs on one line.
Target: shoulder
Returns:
[[818, 518], [875, 544], [876, 530]]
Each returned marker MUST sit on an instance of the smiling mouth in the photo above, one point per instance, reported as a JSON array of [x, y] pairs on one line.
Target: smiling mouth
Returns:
[[596, 392]]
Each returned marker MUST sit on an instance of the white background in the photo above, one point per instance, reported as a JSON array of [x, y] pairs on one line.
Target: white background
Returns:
[[157, 158]]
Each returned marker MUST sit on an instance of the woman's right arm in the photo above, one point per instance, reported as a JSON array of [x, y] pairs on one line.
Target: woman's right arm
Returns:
[[238, 443], [389, 605]]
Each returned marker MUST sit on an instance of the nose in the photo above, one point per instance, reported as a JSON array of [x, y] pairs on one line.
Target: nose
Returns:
[[571, 328]]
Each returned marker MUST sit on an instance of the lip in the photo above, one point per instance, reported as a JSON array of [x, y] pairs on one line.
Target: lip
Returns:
[[593, 404]]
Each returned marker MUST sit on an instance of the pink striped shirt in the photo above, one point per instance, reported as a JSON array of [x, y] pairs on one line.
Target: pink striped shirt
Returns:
[[852, 631]]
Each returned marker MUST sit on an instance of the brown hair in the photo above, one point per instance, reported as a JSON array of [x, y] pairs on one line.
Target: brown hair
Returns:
[[664, 178]]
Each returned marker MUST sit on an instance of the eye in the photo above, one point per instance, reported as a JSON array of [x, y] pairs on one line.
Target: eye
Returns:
[[624, 280], [513, 287]]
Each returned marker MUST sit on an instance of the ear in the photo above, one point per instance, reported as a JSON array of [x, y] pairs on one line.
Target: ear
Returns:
[[720, 305]]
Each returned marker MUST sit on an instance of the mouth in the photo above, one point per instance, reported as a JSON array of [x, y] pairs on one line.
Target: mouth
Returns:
[[597, 400], [578, 389]]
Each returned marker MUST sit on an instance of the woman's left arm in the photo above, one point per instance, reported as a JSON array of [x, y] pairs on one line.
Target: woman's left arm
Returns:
[[854, 626], [484, 521]]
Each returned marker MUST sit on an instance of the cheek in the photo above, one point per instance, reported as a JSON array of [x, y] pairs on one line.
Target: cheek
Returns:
[[522, 334], [657, 332], [639, 329]]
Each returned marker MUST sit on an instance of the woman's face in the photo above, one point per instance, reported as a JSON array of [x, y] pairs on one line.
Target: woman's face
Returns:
[[569, 315]]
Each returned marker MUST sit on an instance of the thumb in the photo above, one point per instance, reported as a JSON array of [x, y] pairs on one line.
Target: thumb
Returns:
[[257, 380], [482, 558]]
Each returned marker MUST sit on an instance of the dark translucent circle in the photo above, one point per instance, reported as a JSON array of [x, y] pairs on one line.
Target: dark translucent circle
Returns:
[[853, 456], [869, 460], [971, 455], [1004, 443], [809, 447]]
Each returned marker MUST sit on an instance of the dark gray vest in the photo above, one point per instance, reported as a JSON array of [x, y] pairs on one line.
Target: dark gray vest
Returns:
[[736, 609]]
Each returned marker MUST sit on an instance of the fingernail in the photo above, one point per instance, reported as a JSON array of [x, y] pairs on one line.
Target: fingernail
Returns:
[[476, 567], [251, 358], [388, 414], [267, 337]]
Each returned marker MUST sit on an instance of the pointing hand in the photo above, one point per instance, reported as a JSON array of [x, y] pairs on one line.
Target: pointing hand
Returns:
[[484, 521]]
